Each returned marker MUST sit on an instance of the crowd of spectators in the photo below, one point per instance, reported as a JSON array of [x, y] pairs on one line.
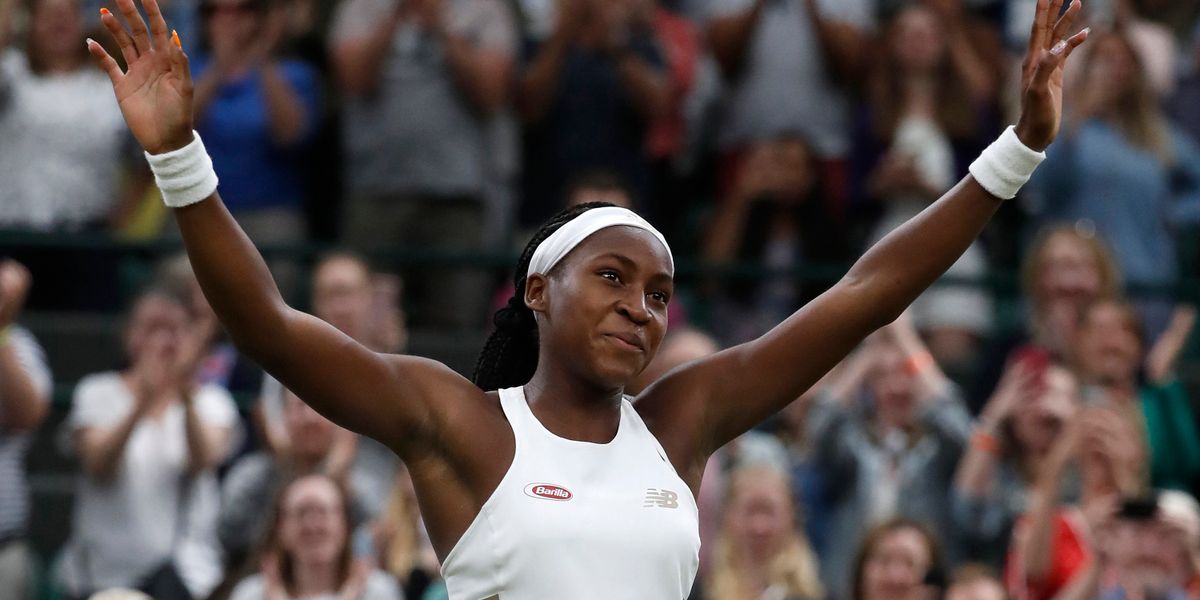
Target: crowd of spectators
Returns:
[[979, 448]]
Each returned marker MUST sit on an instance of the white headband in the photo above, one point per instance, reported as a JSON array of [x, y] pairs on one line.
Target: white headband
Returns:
[[566, 238]]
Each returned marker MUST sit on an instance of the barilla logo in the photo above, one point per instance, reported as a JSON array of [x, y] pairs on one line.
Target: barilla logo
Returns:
[[548, 491]]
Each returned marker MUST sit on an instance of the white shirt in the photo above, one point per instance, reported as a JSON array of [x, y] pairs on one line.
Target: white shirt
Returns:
[[580, 520], [129, 526]]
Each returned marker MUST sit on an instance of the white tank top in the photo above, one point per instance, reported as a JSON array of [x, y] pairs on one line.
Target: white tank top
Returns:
[[579, 520]]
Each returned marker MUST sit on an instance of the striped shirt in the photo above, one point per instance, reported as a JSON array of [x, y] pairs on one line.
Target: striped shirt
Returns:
[[14, 491]]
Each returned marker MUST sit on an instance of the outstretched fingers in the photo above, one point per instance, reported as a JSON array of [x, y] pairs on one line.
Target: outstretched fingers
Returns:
[[114, 27], [1037, 37], [141, 36], [1063, 26], [1053, 60], [158, 25], [106, 62]]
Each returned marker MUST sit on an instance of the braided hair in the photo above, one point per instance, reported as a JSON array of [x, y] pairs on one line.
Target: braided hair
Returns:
[[510, 355]]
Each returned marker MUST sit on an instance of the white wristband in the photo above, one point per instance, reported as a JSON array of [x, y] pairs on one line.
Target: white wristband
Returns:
[[186, 175], [1006, 165]]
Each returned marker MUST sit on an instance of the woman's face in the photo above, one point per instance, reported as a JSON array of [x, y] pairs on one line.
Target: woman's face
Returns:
[[1041, 416], [917, 41], [342, 296], [1108, 347], [896, 566], [1068, 273], [759, 517], [892, 387], [56, 28], [313, 528], [157, 324], [603, 310], [1113, 68]]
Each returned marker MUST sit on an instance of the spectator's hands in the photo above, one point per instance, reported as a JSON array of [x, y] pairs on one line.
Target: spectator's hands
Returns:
[[155, 93], [1017, 384], [153, 374], [15, 282], [1160, 361], [430, 14], [897, 173], [1042, 72]]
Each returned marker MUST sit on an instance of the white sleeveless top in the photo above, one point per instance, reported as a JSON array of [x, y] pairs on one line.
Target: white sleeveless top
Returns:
[[579, 520]]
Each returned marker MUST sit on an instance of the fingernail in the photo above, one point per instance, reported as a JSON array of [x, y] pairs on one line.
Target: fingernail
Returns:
[[175, 38], [1086, 30], [104, 11], [1059, 47], [88, 42]]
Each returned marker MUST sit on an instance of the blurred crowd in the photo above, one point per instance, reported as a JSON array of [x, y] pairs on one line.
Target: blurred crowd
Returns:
[[950, 456]]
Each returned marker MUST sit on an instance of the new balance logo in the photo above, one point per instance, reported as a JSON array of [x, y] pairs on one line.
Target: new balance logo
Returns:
[[661, 499]]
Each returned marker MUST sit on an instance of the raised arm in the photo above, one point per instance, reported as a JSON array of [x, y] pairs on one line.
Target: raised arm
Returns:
[[734, 390], [388, 398]]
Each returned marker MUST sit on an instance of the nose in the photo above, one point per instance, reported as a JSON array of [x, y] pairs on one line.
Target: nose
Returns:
[[633, 306]]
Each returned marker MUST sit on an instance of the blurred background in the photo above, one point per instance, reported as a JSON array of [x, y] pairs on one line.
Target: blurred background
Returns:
[[1028, 430]]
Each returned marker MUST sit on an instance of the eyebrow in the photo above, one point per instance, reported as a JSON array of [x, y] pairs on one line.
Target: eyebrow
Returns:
[[629, 263]]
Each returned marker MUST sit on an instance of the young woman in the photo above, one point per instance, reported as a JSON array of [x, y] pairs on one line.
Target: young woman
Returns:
[[555, 485], [894, 561]]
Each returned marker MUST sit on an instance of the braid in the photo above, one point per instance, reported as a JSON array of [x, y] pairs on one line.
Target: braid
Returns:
[[510, 355]]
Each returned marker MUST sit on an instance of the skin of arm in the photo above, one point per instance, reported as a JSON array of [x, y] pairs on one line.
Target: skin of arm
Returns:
[[646, 85], [1161, 360], [730, 392], [1036, 547], [844, 46], [482, 75], [729, 38], [101, 449], [286, 113], [22, 406], [206, 444], [357, 63], [976, 474]]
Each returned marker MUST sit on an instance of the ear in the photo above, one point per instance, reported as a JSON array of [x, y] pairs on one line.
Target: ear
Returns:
[[536, 296]]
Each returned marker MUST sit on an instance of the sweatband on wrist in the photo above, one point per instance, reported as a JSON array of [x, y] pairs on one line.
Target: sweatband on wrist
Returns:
[[560, 243], [186, 175], [1006, 165]]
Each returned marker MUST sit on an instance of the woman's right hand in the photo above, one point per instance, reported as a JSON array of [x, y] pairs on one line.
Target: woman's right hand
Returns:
[[155, 92]]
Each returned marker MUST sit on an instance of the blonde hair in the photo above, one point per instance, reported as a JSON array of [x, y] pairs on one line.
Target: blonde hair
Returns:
[[1137, 114], [1035, 260], [402, 554], [793, 568]]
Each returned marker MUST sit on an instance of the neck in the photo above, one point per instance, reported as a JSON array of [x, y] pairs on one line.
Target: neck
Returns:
[[314, 578], [572, 408]]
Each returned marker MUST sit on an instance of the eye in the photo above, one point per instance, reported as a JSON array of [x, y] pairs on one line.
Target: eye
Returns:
[[611, 276], [660, 297]]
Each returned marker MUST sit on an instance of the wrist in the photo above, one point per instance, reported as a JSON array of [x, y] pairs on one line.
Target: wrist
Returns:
[[919, 362], [986, 442], [1027, 136]]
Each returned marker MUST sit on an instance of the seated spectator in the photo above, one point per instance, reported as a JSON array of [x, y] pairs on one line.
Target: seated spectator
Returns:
[[1137, 555], [24, 401], [420, 80], [1050, 549], [1109, 354], [975, 582], [402, 546], [1065, 268], [893, 455], [64, 139], [149, 441], [895, 560], [256, 112], [759, 552], [1010, 445], [307, 553], [790, 66], [925, 103], [315, 445], [1125, 171], [588, 94]]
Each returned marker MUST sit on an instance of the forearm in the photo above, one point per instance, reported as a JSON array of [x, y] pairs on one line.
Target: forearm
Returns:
[[1037, 549], [101, 450], [203, 447], [205, 90], [7, 9], [907, 261], [538, 85], [729, 38], [1086, 584], [976, 475], [645, 85], [727, 230], [358, 64], [845, 47], [234, 279], [971, 67], [286, 113], [483, 82], [22, 408]]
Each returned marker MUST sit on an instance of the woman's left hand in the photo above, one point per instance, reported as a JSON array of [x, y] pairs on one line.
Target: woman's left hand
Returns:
[[1042, 72]]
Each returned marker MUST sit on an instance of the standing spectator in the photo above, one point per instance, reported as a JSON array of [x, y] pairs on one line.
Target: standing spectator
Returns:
[[61, 161], [760, 552], [24, 400], [1109, 353], [1126, 171], [895, 559], [925, 105], [257, 112], [308, 552], [315, 445], [894, 458], [789, 66], [1010, 445], [588, 94], [421, 78], [149, 441]]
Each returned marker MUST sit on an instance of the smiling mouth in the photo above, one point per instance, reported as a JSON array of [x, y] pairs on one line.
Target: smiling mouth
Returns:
[[626, 344]]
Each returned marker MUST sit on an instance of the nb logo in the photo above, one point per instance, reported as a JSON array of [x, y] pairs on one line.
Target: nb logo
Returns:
[[661, 499]]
